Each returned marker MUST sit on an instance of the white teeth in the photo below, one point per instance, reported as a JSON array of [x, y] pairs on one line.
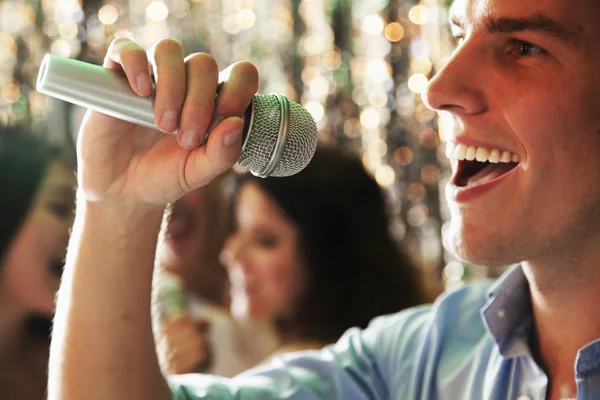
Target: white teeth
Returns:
[[494, 156], [459, 152], [470, 156], [482, 154]]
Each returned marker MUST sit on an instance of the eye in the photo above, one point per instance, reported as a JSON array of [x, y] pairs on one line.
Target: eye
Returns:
[[520, 48], [268, 241], [60, 209]]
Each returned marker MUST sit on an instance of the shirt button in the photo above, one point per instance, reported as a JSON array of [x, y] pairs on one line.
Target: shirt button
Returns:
[[524, 398]]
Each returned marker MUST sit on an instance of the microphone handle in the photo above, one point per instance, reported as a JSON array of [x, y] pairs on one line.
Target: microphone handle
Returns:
[[100, 89]]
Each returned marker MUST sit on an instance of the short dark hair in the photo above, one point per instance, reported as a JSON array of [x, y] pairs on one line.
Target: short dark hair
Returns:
[[356, 270], [24, 158]]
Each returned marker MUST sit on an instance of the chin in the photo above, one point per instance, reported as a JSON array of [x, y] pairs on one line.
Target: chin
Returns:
[[481, 247], [243, 309]]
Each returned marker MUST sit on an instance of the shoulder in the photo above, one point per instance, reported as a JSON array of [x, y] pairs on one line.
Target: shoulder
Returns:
[[397, 353], [401, 344], [453, 309]]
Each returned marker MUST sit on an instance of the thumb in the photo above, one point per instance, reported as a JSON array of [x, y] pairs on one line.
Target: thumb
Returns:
[[218, 155]]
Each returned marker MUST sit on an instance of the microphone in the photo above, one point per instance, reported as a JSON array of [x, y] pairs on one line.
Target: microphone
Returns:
[[280, 136]]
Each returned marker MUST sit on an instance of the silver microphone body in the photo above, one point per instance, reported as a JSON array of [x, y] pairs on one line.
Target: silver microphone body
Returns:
[[280, 136]]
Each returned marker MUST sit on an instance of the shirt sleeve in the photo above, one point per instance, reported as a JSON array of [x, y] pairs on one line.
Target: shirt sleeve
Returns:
[[350, 369]]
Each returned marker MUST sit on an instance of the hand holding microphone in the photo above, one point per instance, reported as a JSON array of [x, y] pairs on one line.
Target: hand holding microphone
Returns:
[[123, 162]]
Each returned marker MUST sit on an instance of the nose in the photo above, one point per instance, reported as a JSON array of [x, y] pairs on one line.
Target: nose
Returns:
[[457, 87], [232, 252]]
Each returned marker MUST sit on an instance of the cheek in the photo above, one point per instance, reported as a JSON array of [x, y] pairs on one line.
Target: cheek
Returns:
[[27, 279], [559, 131], [283, 282]]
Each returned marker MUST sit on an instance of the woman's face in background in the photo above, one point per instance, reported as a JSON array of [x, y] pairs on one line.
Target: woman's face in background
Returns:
[[35, 258], [263, 258], [185, 236]]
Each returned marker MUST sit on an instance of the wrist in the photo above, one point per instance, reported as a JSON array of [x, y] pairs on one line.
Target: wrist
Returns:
[[124, 223], [126, 212]]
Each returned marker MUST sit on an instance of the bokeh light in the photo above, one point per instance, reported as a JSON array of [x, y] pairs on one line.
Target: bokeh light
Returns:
[[385, 175], [417, 83], [157, 11], [419, 15], [108, 14], [394, 32]]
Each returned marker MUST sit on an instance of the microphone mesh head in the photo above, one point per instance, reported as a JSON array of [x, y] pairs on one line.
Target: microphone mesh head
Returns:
[[262, 138]]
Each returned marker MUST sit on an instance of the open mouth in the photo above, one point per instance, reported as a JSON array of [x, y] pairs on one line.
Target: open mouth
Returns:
[[479, 165]]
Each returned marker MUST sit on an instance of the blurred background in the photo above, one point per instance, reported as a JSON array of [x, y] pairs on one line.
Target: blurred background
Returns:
[[358, 66]]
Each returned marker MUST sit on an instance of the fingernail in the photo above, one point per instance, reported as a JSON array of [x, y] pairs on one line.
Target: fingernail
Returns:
[[190, 139], [232, 137], [169, 121], [144, 84]]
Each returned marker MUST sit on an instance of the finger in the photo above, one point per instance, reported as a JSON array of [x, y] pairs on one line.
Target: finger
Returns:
[[183, 334], [202, 75], [131, 58], [220, 153], [174, 324], [181, 365], [240, 83], [167, 59], [187, 363], [194, 348]]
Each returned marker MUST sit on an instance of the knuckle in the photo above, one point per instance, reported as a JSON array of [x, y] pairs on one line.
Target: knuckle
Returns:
[[168, 45], [118, 42], [132, 54], [202, 62], [248, 70], [197, 108]]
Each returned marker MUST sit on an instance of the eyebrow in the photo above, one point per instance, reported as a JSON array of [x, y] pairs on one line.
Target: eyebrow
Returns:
[[538, 23], [61, 190]]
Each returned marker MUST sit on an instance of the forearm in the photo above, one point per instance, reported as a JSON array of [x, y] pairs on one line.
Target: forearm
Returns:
[[102, 346]]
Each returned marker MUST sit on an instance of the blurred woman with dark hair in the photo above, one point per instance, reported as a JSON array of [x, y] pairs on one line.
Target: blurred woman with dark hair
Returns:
[[313, 253], [36, 208]]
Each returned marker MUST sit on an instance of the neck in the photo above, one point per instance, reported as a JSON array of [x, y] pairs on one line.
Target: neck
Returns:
[[565, 302]]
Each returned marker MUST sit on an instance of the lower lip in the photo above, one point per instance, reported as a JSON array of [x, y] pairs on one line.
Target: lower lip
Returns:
[[461, 194]]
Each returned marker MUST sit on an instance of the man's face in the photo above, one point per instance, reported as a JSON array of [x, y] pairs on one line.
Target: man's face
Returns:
[[524, 80]]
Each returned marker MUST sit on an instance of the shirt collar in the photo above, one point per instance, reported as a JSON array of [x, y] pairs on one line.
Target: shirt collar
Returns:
[[507, 315]]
